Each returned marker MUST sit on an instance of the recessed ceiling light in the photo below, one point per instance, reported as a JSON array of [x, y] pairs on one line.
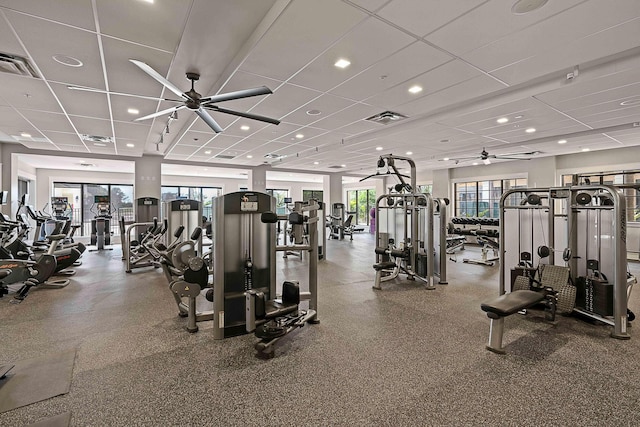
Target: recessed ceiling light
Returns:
[[249, 156], [409, 153], [519, 116], [131, 145], [299, 136], [25, 134], [415, 89], [378, 148], [586, 149], [562, 141], [502, 120], [445, 159], [316, 163], [207, 152], [314, 112], [69, 61], [525, 6], [133, 111], [530, 130], [245, 127], [343, 166], [342, 63], [475, 163], [632, 101], [148, 1]]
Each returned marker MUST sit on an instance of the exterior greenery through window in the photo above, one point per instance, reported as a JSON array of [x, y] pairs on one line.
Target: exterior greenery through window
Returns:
[[360, 203], [482, 198], [311, 194], [81, 196], [613, 178], [280, 195]]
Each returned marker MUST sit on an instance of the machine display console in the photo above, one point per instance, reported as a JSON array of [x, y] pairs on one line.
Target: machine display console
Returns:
[[249, 203], [101, 199], [59, 201]]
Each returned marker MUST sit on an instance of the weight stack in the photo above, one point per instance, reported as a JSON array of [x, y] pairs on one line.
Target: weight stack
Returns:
[[594, 295]]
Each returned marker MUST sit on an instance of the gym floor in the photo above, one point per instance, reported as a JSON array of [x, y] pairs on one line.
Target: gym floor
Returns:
[[400, 356]]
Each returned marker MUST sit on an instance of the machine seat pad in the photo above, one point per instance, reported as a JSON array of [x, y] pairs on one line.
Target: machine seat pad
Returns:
[[384, 265], [510, 303], [274, 309]]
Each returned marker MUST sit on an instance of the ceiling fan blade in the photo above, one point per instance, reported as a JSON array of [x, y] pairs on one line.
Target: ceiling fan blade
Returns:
[[245, 93], [154, 74], [511, 158], [242, 114], [160, 113], [107, 92], [208, 120]]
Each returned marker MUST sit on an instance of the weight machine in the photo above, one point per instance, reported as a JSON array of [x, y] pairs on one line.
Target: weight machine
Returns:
[[587, 224], [411, 230]]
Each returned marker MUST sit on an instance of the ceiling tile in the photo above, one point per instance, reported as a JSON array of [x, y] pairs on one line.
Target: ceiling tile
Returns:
[[90, 126], [142, 20], [26, 92], [400, 68], [432, 81], [307, 21], [81, 103], [422, 17], [45, 121], [367, 44], [326, 104], [77, 13], [461, 35]]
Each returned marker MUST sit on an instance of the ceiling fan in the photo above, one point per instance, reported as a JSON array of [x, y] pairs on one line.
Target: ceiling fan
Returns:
[[486, 157], [193, 100]]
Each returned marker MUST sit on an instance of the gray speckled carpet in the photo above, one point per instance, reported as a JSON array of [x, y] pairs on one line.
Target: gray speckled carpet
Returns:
[[396, 357]]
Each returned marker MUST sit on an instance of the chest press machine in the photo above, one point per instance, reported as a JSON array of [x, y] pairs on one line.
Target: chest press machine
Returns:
[[589, 223]]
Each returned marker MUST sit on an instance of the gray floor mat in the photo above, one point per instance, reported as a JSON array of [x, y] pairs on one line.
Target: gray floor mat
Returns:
[[36, 379]]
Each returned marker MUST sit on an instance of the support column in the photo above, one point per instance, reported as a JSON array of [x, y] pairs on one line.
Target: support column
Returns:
[[441, 184], [258, 178], [148, 177], [335, 190]]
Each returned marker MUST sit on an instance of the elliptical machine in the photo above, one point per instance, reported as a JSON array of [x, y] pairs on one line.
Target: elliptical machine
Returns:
[[101, 223]]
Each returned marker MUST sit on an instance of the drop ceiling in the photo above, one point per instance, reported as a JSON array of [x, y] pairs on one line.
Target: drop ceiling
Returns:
[[568, 69]]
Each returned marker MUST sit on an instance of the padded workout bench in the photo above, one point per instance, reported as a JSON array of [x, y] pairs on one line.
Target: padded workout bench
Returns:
[[503, 306]]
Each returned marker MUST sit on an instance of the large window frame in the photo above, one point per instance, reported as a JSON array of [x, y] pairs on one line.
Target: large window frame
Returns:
[[614, 178], [482, 198], [201, 194], [359, 203], [81, 201]]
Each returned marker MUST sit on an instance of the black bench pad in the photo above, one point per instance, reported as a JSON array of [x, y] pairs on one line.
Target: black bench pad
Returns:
[[510, 303], [384, 265]]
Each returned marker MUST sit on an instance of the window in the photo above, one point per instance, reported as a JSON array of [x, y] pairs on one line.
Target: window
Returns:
[[280, 195], [81, 200], [612, 178], [312, 194], [482, 198], [426, 188], [359, 203], [201, 194]]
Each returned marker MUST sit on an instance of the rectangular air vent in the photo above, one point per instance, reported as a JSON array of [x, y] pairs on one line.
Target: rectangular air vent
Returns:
[[14, 64], [386, 117], [97, 138], [274, 156], [335, 167], [225, 156]]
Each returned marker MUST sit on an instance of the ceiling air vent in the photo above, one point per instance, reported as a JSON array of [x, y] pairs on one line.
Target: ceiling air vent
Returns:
[[273, 156], [14, 64], [225, 156], [386, 117], [336, 167], [97, 138]]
